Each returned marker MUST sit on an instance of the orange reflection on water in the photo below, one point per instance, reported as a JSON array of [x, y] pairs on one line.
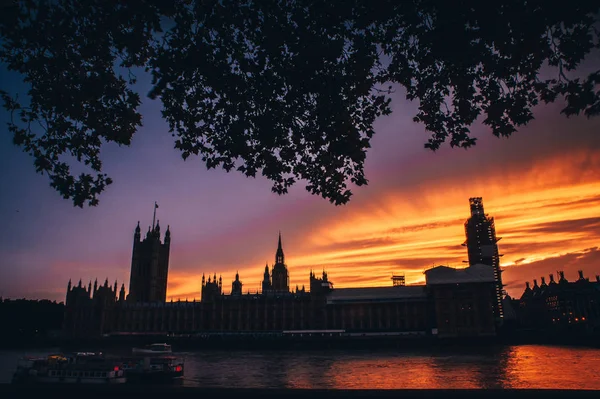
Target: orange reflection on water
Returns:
[[415, 371], [528, 366], [539, 366], [382, 373]]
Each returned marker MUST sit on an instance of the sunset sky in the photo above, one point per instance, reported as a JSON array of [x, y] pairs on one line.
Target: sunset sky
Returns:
[[542, 186]]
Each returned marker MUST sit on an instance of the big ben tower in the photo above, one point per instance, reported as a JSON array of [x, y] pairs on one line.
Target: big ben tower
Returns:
[[279, 276]]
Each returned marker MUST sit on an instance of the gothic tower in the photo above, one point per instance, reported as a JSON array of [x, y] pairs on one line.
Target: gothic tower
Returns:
[[211, 289], [279, 276], [236, 286], [482, 248], [149, 265], [266, 283]]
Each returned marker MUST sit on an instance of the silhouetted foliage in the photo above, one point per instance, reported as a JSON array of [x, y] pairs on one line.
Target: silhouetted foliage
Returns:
[[289, 89], [25, 319]]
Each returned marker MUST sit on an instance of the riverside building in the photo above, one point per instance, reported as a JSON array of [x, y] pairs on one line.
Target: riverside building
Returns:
[[451, 303]]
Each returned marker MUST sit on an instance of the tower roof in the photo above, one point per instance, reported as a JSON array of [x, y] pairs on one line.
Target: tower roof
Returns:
[[476, 204], [478, 273], [279, 254]]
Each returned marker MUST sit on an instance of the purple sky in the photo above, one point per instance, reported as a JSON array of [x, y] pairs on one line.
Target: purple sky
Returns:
[[222, 222]]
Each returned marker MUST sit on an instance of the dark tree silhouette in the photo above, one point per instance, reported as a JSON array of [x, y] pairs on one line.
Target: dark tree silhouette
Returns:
[[289, 89], [26, 320]]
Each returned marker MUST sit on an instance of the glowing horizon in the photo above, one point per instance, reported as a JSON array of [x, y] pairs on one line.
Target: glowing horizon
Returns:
[[541, 185], [380, 245]]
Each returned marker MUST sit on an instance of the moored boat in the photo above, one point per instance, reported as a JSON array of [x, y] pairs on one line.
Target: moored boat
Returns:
[[153, 369], [153, 349], [80, 368]]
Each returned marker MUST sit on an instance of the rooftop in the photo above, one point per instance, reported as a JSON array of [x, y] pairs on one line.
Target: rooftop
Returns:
[[478, 273], [376, 294]]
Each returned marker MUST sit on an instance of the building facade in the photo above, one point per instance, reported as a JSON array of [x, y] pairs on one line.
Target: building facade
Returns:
[[561, 305], [452, 302], [463, 300], [149, 266]]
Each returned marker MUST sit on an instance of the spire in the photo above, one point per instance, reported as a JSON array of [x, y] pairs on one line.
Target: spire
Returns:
[[69, 285], [237, 276], [136, 235], [79, 285], [90, 286], [122, 293], [154, 217], [95, 285], [562, 278], [168, 235], [279, 258]]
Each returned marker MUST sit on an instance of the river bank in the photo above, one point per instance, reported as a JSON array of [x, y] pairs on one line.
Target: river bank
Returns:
[[11, 391], [274, 341]]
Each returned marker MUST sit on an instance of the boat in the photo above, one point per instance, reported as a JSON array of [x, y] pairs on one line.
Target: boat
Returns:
[[79, 368], [153, 349], [153, 369]]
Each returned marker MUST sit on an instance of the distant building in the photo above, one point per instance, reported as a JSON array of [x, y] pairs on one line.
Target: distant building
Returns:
[[149, 266], [278, 280], [463, 300], [561, 305], [452, 302], [89, 311], [482, 248]]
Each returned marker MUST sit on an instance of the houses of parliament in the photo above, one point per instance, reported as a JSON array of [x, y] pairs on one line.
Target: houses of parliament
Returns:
[[452, 302]]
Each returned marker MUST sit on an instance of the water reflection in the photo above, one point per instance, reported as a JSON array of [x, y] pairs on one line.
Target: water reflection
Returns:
[[503, 367], [528, 366], [537, 366]]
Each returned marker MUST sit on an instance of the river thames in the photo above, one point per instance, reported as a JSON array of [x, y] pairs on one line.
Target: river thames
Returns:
[[519, 366]]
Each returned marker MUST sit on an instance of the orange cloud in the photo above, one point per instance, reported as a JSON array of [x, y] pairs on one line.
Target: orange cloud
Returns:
[[547, 212]]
